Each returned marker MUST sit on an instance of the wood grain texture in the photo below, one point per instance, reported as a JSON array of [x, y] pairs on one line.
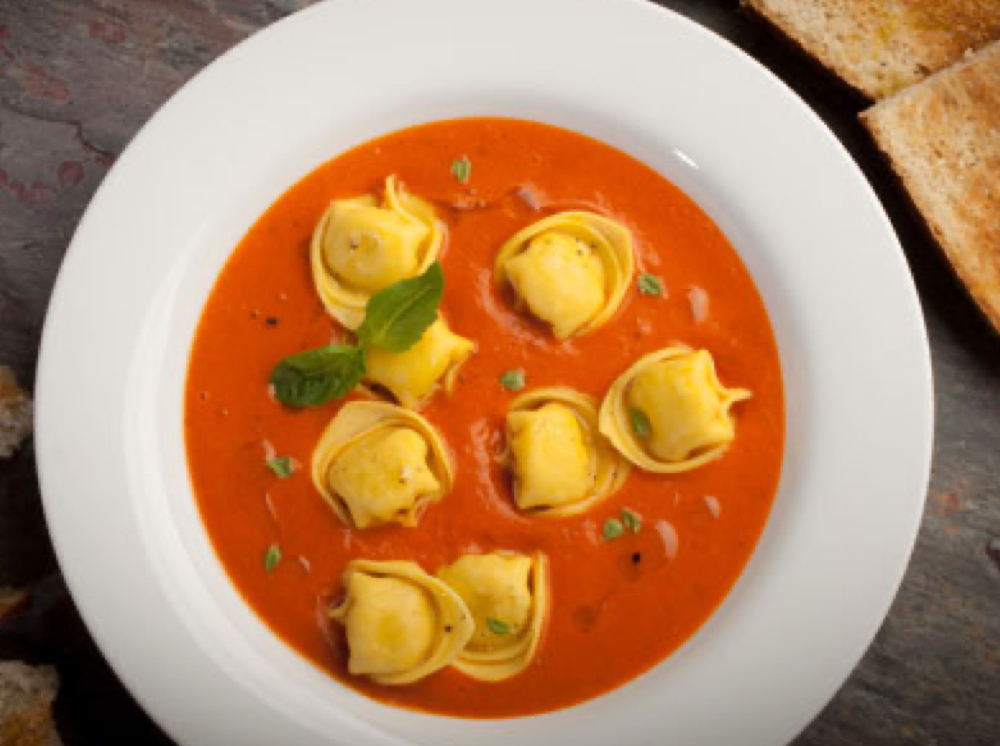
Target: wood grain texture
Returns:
[[942, 137], [883, 46], [77, 80]]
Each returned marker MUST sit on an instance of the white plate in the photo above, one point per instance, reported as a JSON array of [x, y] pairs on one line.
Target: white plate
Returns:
[[796, 207]]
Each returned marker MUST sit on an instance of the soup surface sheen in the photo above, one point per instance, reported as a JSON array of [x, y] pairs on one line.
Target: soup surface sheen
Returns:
[[618, 606]]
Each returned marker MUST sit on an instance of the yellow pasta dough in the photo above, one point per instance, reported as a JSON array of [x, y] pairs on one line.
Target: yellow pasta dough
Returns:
[[401, 623], [669, 412], [378, 463], [508, 597], [360, 247], [560, 463], [414, 375], [570, 269]]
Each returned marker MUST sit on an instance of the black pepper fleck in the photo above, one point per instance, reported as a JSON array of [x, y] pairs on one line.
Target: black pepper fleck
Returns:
[[271, 321], [447, 628], [636, 558]]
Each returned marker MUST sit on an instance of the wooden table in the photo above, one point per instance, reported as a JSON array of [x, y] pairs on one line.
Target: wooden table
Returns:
[[79, 77]]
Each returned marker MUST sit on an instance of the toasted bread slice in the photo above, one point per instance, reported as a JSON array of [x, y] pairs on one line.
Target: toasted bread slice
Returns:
[[882, 46], [943, 139], [26, 695], [15, 413]]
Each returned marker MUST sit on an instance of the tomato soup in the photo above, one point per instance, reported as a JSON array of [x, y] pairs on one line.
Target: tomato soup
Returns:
[[619, 603]]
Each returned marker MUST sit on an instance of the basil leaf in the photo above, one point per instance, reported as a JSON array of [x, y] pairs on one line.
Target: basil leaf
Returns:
[[497, 627], [271, 558], [612, 529], [640, 423], [650, 284], [461, 169], [397, 317], [512, 380], [283, 466], [314, 377], [631, 520]]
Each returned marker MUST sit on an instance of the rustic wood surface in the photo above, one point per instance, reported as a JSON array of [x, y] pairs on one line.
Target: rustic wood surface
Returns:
[[77, 80]]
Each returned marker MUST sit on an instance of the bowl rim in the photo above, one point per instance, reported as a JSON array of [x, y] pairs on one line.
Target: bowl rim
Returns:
[[136, 334]]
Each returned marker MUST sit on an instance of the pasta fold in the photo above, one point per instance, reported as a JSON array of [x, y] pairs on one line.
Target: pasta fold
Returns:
[[507, 595], [669, 412], [360, 247], [560, 463], [571, 270], [413, 376], [377, 463], [401, 624]]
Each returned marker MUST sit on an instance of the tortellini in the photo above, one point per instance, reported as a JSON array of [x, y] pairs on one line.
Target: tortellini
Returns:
[[413, 376], [507, 595], [401, 623], [378, 463], [360, 247], [669, 412], [571, 269], [560, 462]]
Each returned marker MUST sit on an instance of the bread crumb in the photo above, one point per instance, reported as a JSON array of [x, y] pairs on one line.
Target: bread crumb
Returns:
[[26, 696], [15, 413]]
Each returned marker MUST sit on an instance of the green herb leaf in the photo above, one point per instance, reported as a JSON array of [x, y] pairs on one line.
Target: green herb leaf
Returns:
[[497, 627], [314, 377], [461, 169], [640, 423], [650, 284], [631, 520], [513, 380], [271, 558], [283, 466], [396, 318], [612, 529]]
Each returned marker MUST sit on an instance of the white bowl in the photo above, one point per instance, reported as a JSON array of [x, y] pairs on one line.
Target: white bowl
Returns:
[[849, 329]]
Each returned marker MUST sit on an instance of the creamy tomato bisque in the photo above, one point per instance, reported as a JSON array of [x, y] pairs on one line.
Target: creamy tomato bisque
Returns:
[[618, 601]]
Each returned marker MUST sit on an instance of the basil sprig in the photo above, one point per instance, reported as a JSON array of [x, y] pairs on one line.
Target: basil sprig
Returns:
[[612, 529], [497, 626], [395, 320], [283, 466], [631, 520], [461, 169], [271, 558], [650, 284], [314, 377], [641, 425], [513, 380]]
